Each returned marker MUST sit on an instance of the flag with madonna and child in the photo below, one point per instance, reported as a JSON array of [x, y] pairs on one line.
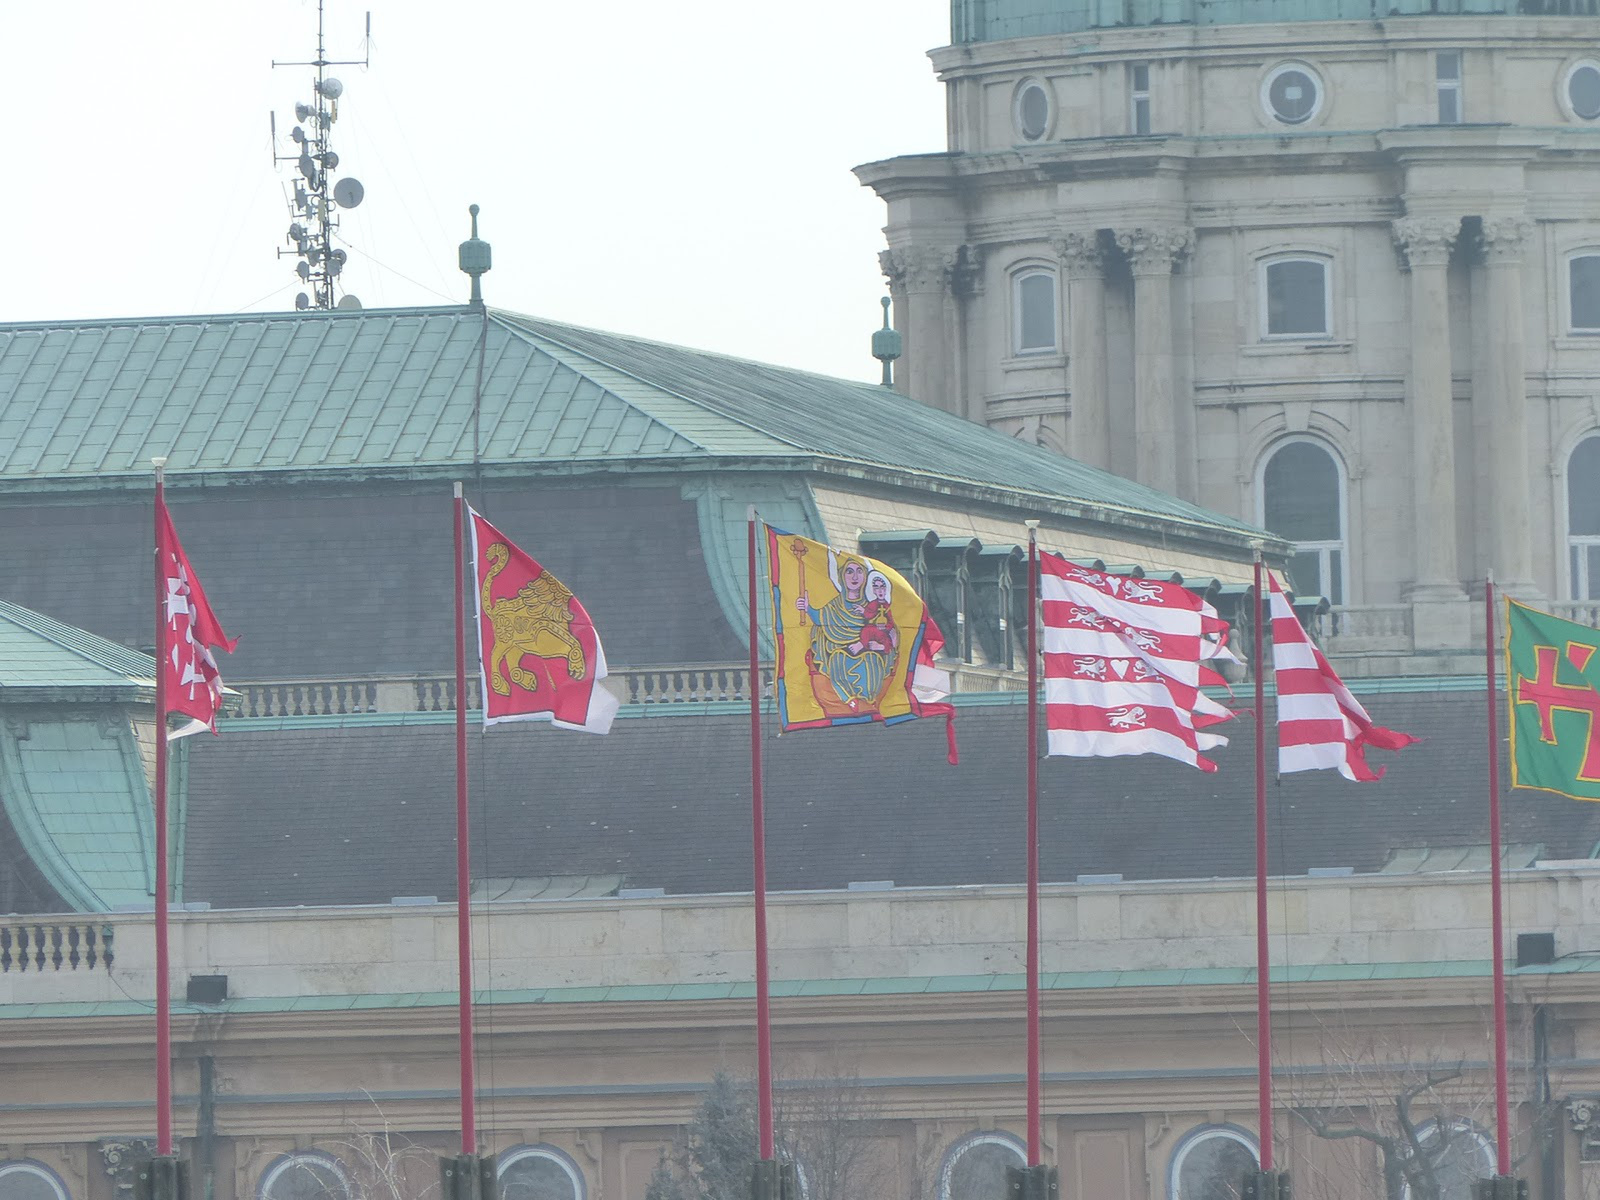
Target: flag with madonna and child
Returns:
[[854, 640], [1553, 688]]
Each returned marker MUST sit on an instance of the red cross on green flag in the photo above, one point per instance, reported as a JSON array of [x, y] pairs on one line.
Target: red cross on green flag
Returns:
[[1553, 677]]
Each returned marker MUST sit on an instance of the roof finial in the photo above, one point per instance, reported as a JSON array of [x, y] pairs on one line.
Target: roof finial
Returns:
[[887, 345], [474, 258]]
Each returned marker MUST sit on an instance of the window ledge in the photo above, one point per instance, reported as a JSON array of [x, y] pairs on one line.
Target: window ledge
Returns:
[[1277, 348], [1022, 362], [1587, 340]]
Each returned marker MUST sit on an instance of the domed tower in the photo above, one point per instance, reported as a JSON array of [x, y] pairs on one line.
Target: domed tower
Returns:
[[1330, 265]]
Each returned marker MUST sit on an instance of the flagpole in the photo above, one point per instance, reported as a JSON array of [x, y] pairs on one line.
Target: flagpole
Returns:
[[469, 1130], [163, 962], [1035, 1080], [1502, 1103], [759, 833], [1263, 981]]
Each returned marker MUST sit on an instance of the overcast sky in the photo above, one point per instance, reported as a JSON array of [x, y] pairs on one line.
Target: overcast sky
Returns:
[[675, 170]]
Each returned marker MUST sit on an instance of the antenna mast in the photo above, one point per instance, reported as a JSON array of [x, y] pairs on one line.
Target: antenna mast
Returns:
[[315, 203]]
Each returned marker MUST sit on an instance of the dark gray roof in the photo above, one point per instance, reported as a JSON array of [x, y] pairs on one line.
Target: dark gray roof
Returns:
[[345, 815]]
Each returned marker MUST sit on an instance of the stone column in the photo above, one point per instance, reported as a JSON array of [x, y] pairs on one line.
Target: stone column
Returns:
[[924, 273], [1151, 254], [1440, 615], [1089, 434], [1509, 485]]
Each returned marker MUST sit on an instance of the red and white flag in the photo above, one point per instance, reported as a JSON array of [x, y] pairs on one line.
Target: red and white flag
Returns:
[[539, 657], [190, 632], [1124, 664], [1320, 724]]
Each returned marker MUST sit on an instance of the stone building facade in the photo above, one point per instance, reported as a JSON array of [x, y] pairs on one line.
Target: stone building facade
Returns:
[[1330, 268]]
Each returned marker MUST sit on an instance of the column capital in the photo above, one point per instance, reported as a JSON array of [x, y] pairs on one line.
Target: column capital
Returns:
[[1079, 252], [1503, 239], [1153, 249], [920, 268], [1426, 241]]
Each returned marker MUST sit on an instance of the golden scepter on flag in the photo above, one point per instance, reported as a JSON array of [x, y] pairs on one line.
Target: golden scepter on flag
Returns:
[[798, 549]]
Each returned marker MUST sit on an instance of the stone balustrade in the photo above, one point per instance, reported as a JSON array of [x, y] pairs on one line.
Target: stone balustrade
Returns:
[[911, 933], [53, 945]]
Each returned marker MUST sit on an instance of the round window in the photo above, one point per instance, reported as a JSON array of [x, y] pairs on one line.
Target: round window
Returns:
[[1583, 90], [1292, 94], [1033, 111]]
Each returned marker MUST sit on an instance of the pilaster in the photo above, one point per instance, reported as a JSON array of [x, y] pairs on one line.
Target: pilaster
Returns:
[[925, 276], [1152, 253], [1083, 267]]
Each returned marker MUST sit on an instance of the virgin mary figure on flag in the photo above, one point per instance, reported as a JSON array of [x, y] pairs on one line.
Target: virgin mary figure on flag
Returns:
[[854, 642]]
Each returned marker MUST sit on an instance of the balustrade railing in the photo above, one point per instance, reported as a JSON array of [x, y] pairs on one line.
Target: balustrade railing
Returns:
[[52, 946], [1351, 628], [1584, 612]]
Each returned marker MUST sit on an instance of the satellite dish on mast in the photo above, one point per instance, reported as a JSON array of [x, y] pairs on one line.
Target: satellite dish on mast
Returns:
[[348, 192], [348, 302], [331, 88]]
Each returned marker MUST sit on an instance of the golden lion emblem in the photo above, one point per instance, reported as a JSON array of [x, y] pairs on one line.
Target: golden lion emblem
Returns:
[[535, 621]]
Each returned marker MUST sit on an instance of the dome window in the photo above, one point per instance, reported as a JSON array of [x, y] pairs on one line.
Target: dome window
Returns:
[[1033, 110], [1291, 94], [1583, 91]]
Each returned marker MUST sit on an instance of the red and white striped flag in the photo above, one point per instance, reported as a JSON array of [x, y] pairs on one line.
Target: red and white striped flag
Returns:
[[1124, 662], [1320, 724]]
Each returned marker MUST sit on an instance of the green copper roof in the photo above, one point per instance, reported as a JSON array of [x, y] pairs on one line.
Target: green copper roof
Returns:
[[993, 20], [43, 659], [74, 791], [83, 403]]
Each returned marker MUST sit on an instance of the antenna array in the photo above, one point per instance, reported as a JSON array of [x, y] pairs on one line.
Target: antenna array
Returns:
[[316, 200]]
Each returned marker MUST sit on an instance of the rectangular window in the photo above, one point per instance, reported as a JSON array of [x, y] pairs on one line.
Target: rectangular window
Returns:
[[1297, 298], [1584, 278], [1139, 98], [1447, 75], [1036, 312]]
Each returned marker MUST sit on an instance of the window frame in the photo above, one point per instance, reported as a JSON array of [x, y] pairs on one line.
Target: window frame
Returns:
[[506, 1159], [1576, 568], [1263, 270], [284, 1162], [1573, 328], [1019, 274], [29, 1166], [981, 1137], [1203, 1133], [1564, 90], [1452, 87], [1022, 88], [1324, 548], [1139, 100], [1319, 88]]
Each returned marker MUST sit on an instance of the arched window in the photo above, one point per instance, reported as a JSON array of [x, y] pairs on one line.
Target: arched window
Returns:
[[1295, 297], [1583, 292], [975, 1167], [539, 1173], [1458, 1154], [23, 1179], [1210, 1163], [1302, 500], [1034, 302], [305, 1175], [1583, 518]]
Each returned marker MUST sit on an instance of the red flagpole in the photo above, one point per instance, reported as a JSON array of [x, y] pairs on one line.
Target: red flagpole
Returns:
[[469, 1124], [1263, 988], [759, 832], [163, 964], [1502, 1103], [1035, 1080]]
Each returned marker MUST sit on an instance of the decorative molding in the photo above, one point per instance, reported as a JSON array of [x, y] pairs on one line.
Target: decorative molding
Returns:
[[121, 1158], [1080, 253], [1503, 239], [1426, 241], [921, 268], [1154, 250], [1583, 1114]]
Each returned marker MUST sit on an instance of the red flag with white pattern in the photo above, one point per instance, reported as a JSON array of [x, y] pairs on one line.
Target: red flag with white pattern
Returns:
[[190, 635], [1125, 661]]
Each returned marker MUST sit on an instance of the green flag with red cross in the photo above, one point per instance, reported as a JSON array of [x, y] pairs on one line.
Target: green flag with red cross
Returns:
[[1553, 686]]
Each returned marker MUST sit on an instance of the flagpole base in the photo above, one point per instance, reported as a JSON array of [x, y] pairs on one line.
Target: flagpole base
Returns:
[[161, 1177], [1500, 1187], [468, 1177], [1266, 1185], [1037, 1182], [773, 1180]]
